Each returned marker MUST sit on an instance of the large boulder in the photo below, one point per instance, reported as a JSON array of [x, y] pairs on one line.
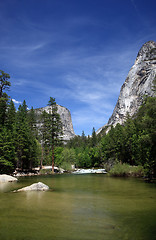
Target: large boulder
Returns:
[[34, 187], [7, 178]]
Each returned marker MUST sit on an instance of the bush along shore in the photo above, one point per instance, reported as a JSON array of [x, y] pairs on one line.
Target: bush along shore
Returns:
[[126, 170]]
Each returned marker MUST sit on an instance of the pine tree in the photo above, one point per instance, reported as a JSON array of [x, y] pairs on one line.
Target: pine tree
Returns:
[[11, 116], [54, 128], [32, 122], [26, 144], [4, 83], [94, 138], [44, 135], [3, 109], [7, 151]]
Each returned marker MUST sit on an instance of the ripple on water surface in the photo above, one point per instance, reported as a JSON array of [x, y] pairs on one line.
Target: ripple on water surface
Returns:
[[78, 207]]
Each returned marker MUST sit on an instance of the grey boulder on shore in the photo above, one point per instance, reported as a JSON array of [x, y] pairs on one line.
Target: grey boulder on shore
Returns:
[[7, 178], [34, 187]]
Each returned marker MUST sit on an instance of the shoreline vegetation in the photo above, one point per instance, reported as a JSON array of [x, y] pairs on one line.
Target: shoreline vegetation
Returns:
[[126, 150], [118, 170], [126, 170]]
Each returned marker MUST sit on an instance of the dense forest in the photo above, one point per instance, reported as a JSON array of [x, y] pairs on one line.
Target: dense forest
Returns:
[[24, 147]]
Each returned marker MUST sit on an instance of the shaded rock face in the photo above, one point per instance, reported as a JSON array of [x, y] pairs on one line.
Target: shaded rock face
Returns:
[[68, 131], [34, 187], [137, 84]]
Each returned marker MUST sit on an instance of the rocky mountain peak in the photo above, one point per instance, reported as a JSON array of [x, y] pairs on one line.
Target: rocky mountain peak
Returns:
[[147, 52], [68, 131], [138, 83]]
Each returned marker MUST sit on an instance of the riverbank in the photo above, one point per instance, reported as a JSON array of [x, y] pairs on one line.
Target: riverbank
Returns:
[[118, 170], [47, 170]]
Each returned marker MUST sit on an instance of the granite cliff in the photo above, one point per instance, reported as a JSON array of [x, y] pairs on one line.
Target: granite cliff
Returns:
[[137, 84], [68, 131]]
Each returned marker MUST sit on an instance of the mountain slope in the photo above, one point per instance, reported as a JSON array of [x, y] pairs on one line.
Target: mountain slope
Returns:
[[137, 84]]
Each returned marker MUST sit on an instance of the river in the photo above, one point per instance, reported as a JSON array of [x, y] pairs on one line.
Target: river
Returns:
[[79, 207]]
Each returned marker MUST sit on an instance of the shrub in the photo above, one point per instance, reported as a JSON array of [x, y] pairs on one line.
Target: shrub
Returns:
[[125, 170], [66, 166]]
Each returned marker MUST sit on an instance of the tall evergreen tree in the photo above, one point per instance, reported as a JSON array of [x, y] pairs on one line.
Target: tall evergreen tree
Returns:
[[4, 83], [44, 137], [54, 128], [32, 122], [3, 109], [11, 116], [26, 144], [94, 138], [7, 151]]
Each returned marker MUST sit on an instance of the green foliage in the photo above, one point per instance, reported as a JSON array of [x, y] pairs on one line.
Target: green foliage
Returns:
[[32, 119], [45, 171], [134, 142], [18, 144], [126, 170], [7, 151], [4, 83], [94, 138], [66, 166], [3, 109], [51, 130]]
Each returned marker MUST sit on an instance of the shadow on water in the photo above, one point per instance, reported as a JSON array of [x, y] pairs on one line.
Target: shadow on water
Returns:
[[78, 207]]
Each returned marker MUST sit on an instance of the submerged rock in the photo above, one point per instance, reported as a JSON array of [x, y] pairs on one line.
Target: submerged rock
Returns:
[[34, 187], [7, 178]]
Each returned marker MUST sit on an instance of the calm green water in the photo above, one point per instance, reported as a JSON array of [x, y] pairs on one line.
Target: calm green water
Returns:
[[79, 207]]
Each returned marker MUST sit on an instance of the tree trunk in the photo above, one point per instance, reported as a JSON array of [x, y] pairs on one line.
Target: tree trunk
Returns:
[[52, 158], [41, 162]]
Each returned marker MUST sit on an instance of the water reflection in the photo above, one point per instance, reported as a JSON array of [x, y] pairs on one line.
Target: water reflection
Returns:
[[34, 196], [6, 186], [79, 207]]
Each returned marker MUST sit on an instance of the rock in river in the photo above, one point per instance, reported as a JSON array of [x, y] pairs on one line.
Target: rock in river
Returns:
[[7, 178], [34, 187]]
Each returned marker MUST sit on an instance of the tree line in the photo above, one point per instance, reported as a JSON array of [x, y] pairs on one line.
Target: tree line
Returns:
[[133, 143], [23, 145]]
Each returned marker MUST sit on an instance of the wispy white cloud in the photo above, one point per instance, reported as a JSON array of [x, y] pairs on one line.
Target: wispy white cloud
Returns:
[[91, 81], [16, 102], [79, 59]]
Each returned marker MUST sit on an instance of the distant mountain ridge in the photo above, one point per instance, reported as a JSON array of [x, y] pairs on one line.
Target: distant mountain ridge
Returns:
[[137, 84]]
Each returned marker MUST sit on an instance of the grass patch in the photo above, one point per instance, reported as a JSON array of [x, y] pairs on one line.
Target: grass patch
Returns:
[[45, 171], [126, 170], [66, 166]]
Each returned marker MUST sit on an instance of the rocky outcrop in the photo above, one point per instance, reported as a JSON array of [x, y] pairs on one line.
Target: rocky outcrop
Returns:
[[34, 187], [7, 178], [68, 131], [137, 84]]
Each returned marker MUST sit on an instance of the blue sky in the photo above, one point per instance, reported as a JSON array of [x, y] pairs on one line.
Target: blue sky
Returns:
[[78, 51]]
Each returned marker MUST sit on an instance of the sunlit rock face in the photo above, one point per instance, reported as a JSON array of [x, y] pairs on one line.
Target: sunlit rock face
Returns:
[[137, 84], [68, 131], [34, 187]]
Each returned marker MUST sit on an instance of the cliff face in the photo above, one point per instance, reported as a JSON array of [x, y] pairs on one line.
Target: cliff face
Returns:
[[137, 84], [68, 131]]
